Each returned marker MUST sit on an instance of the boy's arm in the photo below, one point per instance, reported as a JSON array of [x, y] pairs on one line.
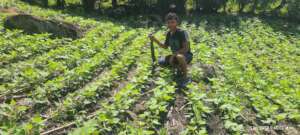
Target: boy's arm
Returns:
[[159, 43], [162, 45], [184, 48]]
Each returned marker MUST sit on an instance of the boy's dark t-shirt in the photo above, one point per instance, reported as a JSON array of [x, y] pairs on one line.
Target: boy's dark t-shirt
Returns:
[[175, 40]]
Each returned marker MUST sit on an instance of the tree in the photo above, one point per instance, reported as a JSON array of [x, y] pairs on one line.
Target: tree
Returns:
[[293, 7], [242, 4], [164, 6], [209, 6], [255, 3], [89, 5], [45, 3], [60, 3], [38, 2], [222, 3], [114, 3], [280, 6], [28, 1]]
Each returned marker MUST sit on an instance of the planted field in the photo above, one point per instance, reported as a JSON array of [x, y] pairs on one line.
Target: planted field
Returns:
[[103, 82]]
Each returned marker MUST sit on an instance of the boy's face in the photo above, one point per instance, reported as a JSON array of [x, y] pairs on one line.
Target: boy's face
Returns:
[[172, 24]]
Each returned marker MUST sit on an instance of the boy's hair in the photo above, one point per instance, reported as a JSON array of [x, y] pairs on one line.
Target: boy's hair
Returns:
[[172, 16]]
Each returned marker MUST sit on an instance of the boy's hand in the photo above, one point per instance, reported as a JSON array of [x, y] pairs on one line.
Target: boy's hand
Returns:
[[151, 37], [171, 61]]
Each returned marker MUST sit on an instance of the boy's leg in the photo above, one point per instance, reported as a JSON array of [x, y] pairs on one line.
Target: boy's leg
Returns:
[[172, 61], [182, 64], [164, 61]]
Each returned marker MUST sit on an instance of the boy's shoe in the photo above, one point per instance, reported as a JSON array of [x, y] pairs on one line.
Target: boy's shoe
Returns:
[[184, 82], [178, 74]]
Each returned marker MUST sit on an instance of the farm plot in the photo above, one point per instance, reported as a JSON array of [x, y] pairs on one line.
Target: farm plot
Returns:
[[245, 79]]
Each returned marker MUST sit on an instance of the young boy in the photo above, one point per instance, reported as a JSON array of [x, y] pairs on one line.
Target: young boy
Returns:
[[177, 40]]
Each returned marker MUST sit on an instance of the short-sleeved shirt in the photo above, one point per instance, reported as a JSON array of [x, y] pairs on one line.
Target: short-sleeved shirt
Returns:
[[176, 40]]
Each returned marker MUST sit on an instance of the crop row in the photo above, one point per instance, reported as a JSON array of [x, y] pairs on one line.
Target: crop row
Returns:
[[103, 83], [73, 79], [88, 95], [54, 63]]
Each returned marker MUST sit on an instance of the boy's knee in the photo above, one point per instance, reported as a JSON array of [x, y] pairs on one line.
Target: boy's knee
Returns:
[[180, 57], [162, 61]]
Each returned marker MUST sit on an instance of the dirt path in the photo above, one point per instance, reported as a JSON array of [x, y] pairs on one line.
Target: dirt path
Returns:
[[9, 11], [176, 117]]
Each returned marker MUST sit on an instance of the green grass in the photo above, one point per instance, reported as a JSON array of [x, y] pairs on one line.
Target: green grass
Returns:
[[257, 80]]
